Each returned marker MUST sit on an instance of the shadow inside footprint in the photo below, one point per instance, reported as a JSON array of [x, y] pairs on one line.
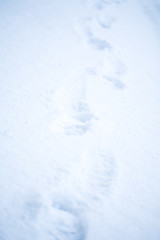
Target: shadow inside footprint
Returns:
[[117, 83], [106, 22], [82, 112], [80, 121], [99, 44]]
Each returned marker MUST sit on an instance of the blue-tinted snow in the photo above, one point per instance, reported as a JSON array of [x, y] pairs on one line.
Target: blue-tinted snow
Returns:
[[79, 126]]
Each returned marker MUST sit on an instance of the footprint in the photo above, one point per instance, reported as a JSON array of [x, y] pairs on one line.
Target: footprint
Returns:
[[74, 115], [53, 218], [82, 112], [98, 173], [91, 71], [90, 180], [66, 226], [99, 44], [76, 129], [116, 83], [76, 227], [59, 220], [112, 72], [106, 22], [85, 31], [116, 74], [81, 120]]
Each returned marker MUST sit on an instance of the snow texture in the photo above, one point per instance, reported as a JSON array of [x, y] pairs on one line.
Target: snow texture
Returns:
[[80, 120]]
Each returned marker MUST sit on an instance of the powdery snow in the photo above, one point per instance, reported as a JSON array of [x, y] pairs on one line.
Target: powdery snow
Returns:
[[80, 116]]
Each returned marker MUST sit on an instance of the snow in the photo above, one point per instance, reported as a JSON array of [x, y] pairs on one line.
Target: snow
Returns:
[[80, 116]]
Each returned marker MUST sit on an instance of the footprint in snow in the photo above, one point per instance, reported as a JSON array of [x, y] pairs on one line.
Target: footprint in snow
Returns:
[[90, 179], [105, 21], [112, 73], [115, 82], [73, 211], [61, 224], [84, 30], [74, 115], [97, 168], [81, 120], [99, 44], [57, 219]]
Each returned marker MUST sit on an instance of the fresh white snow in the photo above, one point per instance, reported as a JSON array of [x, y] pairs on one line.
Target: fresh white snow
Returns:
[[80, 120]]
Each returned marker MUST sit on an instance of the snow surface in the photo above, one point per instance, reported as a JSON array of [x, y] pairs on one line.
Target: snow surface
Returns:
[[80, 120]]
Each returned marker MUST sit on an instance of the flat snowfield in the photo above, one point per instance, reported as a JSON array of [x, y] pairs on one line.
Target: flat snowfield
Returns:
[[80, 120]]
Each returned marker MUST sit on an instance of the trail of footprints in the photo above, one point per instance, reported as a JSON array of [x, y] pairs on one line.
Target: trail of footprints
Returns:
[[85, 31], [90, 28], [91, 176], [62, 217], [93, 30]]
